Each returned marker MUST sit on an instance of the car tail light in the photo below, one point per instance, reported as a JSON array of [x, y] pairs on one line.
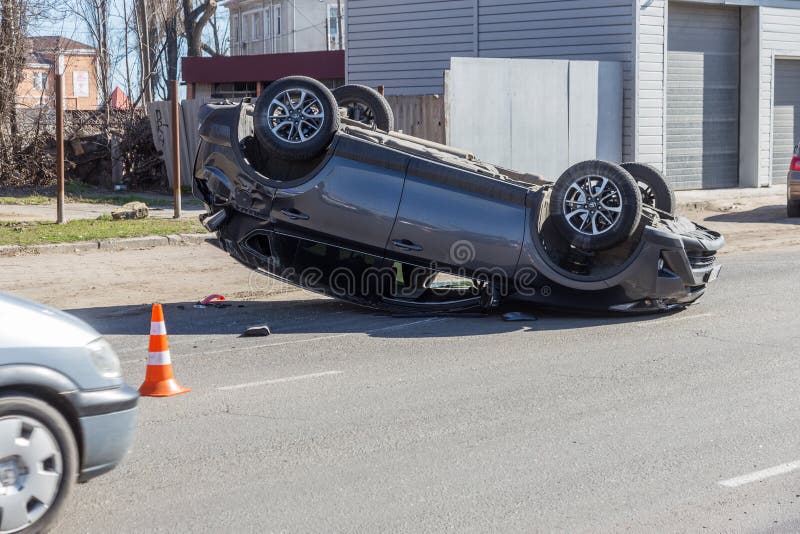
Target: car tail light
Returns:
[[795, 166]]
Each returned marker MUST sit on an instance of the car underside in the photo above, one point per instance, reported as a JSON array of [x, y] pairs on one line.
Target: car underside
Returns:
[[393, 222]]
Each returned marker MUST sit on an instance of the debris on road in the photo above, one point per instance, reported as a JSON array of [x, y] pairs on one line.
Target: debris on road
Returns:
[[211, 299], [519, 316], [257, 331]]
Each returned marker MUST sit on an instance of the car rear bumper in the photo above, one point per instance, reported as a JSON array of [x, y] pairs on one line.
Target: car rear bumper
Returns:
[[108, 421]]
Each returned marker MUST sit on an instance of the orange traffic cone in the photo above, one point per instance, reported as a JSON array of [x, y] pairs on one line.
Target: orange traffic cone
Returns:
[[159, 380]]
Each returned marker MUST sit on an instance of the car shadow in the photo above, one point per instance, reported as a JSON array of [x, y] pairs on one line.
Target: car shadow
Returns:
[[329, 317], [762, 214]]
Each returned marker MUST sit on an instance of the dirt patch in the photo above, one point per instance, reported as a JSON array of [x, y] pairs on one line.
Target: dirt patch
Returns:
[[747, 223], [133, 277]]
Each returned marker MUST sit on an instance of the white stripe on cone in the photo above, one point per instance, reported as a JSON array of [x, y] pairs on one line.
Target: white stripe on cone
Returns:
[[159, 358], [158, 329]]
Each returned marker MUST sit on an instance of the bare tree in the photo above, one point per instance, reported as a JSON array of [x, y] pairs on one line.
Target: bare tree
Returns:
[[195, 19], [22, 150], [219, 38], [13, 25], [146, 34]]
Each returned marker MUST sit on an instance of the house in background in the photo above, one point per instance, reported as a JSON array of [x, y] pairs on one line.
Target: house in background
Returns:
[[270, 39], [281, 26], [48, 55], [710, 87]]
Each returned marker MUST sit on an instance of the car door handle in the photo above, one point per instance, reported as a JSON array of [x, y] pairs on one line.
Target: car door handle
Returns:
[[295, 215], [405, 244]]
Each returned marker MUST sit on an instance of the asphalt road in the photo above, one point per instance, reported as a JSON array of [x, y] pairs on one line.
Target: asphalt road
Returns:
[[345, 421]]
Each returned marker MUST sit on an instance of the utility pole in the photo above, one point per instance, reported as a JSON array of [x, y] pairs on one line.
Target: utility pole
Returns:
[[339, 22], [176, 148], [60, 148]]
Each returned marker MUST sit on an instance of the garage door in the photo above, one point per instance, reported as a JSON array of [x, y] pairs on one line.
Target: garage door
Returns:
[[702, 96], [786, 117]]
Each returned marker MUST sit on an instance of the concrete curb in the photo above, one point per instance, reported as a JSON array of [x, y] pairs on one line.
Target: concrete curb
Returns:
[[127, 243]]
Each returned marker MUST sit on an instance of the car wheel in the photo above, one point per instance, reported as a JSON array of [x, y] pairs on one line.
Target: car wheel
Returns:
[[295, 118], [656, 191], [595, 205], [793, 208], [38, 463], [366, 105]]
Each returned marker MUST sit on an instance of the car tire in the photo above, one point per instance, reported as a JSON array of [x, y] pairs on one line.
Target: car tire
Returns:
[[793, 208], [656, 191], [366, 105], [291, 131], [38, 421], [595, 205]]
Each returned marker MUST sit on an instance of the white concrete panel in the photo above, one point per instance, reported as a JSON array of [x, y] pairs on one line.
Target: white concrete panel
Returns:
[[536, 115], [539, 116], [583, 112], [480, 107], [610, 107]]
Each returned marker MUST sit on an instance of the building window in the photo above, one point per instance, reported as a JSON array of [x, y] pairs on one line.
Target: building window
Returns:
[[258, 26], [252, 26], [234, 90], [246, 33], [234, 27], [40, 80], [333, 26], [267, 21], [277, 17]]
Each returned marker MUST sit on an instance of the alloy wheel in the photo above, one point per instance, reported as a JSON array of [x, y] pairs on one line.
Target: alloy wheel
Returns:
[[31, 468], [295, 115], [592, 205]]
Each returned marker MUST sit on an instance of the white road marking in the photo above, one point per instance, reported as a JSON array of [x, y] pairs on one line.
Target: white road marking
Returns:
[[761, 475], [278, 380], [648, 324]]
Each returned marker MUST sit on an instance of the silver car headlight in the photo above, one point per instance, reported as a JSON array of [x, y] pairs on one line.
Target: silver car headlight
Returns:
[[104, 358]]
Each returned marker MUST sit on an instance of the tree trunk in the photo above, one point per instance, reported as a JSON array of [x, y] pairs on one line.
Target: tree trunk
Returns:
[[171, 37], [194, 21]]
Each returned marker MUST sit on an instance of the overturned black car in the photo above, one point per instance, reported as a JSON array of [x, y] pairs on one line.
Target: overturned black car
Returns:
[[313, 188]]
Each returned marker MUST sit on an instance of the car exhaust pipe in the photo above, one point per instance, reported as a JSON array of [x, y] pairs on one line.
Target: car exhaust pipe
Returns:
[[213, 221]]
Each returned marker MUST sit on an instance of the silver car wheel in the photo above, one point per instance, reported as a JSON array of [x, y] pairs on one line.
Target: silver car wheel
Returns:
[[31, 468], [295, 115], [592, 205]]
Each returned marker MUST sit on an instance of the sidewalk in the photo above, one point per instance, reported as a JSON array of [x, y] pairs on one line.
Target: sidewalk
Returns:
[[727, 199], [81, 210]]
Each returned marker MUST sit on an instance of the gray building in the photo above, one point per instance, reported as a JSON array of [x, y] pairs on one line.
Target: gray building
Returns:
[[711, 87]]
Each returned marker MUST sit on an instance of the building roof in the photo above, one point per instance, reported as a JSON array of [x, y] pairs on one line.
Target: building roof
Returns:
[[52, 43], [36, 58], [325, 65], [119, 100]]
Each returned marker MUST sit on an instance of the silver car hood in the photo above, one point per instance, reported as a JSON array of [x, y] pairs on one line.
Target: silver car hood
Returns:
[[26, 324]]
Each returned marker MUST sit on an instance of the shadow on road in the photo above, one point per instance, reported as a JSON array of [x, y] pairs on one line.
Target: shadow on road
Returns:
[[326, 316], [770, 214]]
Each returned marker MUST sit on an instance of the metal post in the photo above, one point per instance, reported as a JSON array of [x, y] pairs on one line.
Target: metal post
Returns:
[[381, 89], [339, 22], [60, 148], [176, 148]]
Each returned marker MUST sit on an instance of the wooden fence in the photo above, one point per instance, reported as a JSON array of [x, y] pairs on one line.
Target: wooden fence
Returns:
[[160, 123], [420, 116]]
